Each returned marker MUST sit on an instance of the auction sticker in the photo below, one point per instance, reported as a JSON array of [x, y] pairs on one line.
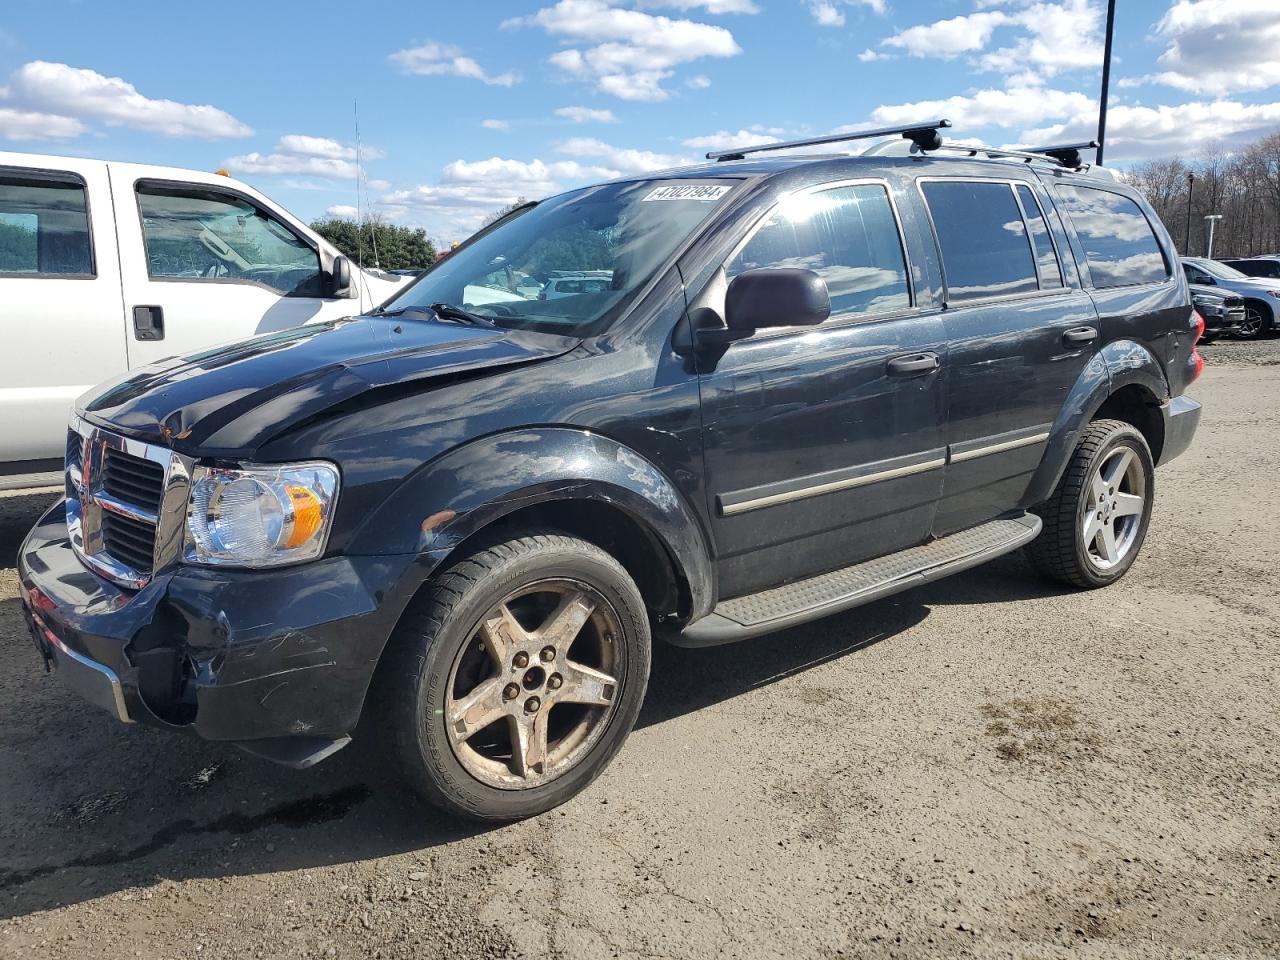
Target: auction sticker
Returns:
[[693, 191]]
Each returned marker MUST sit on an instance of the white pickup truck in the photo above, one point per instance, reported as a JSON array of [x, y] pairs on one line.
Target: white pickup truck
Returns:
[[108, 266]]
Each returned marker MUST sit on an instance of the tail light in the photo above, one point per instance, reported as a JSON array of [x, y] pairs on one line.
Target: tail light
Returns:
[[1196, 359]]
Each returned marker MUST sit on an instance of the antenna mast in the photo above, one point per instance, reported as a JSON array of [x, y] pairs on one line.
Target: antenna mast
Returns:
[[373, 236]]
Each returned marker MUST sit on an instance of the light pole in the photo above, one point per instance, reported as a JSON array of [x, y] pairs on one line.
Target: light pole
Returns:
[[1186, 243], [1212, 218], [1106, 80]]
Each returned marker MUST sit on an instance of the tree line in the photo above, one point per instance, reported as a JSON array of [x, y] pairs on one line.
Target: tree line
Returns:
[[1242, 186], [376, 242]]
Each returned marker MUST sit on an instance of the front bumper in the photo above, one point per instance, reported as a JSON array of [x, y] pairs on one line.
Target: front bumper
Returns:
[[262, 658], [1220, 322], [1181, 416]]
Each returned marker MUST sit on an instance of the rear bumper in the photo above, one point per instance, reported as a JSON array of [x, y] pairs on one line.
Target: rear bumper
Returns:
[[229, 655], [1181, 417]]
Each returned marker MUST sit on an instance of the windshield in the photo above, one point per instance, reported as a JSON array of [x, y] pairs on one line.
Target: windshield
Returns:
[[1221, 270], [573, 263]]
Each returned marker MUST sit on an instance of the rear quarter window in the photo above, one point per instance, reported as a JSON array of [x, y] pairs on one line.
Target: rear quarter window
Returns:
[[1119, 243], [44, 227]]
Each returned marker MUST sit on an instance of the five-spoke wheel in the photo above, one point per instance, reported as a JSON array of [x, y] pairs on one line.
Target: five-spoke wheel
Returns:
[[515, 677]]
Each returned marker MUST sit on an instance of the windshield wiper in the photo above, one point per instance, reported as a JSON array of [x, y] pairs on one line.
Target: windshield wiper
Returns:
[[426, 313], [447, 311]]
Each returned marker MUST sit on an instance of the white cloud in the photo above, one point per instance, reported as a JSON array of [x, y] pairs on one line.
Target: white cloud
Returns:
[[29, 125], [495, 124], [698, 82], [442, 59], [73, 93], [870, 56], [826, 14], [725, 140], [1220, 46], [713, 7], [1016, 106], [586, 115], [621, 159], [633, 53], [1051, 37], [1135, 132], [829, 13], [949, 38], [342, 211], [297, 153]]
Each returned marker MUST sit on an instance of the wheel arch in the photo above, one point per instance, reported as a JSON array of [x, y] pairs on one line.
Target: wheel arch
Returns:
[[571, 480], [1123, 381], [1267, 311]]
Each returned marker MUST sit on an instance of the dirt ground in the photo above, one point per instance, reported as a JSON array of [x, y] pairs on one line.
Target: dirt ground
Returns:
[[987, 766]]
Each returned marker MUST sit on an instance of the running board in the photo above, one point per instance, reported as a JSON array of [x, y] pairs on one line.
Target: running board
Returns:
[[804, 600]]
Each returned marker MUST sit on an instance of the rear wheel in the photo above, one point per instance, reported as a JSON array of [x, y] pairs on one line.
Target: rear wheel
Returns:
[[1096, 520], [517, 678]]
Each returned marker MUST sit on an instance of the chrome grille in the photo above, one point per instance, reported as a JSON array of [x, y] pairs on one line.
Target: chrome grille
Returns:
[[125, 503]]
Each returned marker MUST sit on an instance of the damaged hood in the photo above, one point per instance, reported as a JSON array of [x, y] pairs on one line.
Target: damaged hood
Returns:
[[232, 399]]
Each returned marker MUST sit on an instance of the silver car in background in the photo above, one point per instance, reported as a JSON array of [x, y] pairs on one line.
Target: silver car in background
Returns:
[[1261, 297]]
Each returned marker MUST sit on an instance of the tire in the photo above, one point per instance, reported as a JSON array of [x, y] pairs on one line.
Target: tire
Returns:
[[1256, 324], [1208, 338], [514, 599], [1062, 551]]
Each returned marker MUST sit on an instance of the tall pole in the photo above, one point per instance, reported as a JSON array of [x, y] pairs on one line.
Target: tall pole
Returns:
[[1106, 79], [1212, 218], [1186, 243]]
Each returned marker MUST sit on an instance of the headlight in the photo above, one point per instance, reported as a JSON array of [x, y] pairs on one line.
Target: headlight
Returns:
[[260, 516], [1204, 300]]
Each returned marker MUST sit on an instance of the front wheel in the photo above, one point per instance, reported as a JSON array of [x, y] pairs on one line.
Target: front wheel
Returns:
[[514, 681], [1254, 324], [1097, 518]]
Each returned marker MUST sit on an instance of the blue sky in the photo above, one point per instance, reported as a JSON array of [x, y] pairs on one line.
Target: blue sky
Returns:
[[464, 106]]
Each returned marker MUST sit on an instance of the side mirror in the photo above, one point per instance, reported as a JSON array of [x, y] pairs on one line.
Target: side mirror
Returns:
[[776, 297], [341, 276]]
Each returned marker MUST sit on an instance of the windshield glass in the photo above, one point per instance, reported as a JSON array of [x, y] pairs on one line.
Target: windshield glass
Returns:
[[1221, 270], [573, 263]]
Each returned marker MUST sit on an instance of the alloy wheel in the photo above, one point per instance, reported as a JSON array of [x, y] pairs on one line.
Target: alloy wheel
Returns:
[[1251, 326], [1113, 509], [534, 688]]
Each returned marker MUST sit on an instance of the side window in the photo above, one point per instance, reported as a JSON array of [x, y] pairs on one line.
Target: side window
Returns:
[[210, 236], [44, 228], [1041, 243], [848, 236], [986, 251], [1118, 241]]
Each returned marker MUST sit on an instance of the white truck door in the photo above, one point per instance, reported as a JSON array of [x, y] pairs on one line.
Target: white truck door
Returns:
[[205, 264], [61, 319]]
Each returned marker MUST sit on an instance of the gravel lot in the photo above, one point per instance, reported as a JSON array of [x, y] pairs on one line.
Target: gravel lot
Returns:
[[987, 766]]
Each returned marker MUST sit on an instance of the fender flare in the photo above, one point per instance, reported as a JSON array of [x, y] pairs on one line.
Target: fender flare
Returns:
[[473, 485], [1117, 365]]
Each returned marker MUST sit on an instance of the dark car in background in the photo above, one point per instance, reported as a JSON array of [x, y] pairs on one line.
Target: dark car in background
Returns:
[[1266, 268], [1223, 312], [809, 382]]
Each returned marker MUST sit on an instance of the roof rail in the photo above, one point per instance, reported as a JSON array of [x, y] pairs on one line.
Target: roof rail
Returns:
[[996, 152], [1067, 154], [923, 135]]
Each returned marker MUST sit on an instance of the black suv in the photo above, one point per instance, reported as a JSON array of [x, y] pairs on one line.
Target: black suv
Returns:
[[808, 382]]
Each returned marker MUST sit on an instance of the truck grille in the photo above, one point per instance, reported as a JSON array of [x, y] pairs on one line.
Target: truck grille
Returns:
[[119, 493]]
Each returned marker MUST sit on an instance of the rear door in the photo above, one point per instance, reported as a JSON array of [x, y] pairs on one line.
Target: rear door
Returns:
[[824, 445], [62, 318], [1020, 330], [204, 264]]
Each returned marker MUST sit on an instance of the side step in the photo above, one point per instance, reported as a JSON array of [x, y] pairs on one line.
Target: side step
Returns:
[[820, 596]]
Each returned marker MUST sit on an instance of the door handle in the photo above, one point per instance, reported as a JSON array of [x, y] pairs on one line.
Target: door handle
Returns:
[[913, 365], [148, 323], [1077, 336]]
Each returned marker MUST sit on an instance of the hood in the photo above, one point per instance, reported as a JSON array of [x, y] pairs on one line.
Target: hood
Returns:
[[232, 399]]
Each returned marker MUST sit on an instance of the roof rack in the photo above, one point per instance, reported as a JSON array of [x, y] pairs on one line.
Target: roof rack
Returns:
[[1067, 154], [1026, 155], [923, 135]]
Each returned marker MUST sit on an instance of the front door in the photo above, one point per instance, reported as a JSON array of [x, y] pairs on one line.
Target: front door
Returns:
[[203, 266], [60, 307], [824, 446]]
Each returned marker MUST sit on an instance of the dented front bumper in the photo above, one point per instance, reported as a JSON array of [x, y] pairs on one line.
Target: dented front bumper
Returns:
[[276, 660]]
